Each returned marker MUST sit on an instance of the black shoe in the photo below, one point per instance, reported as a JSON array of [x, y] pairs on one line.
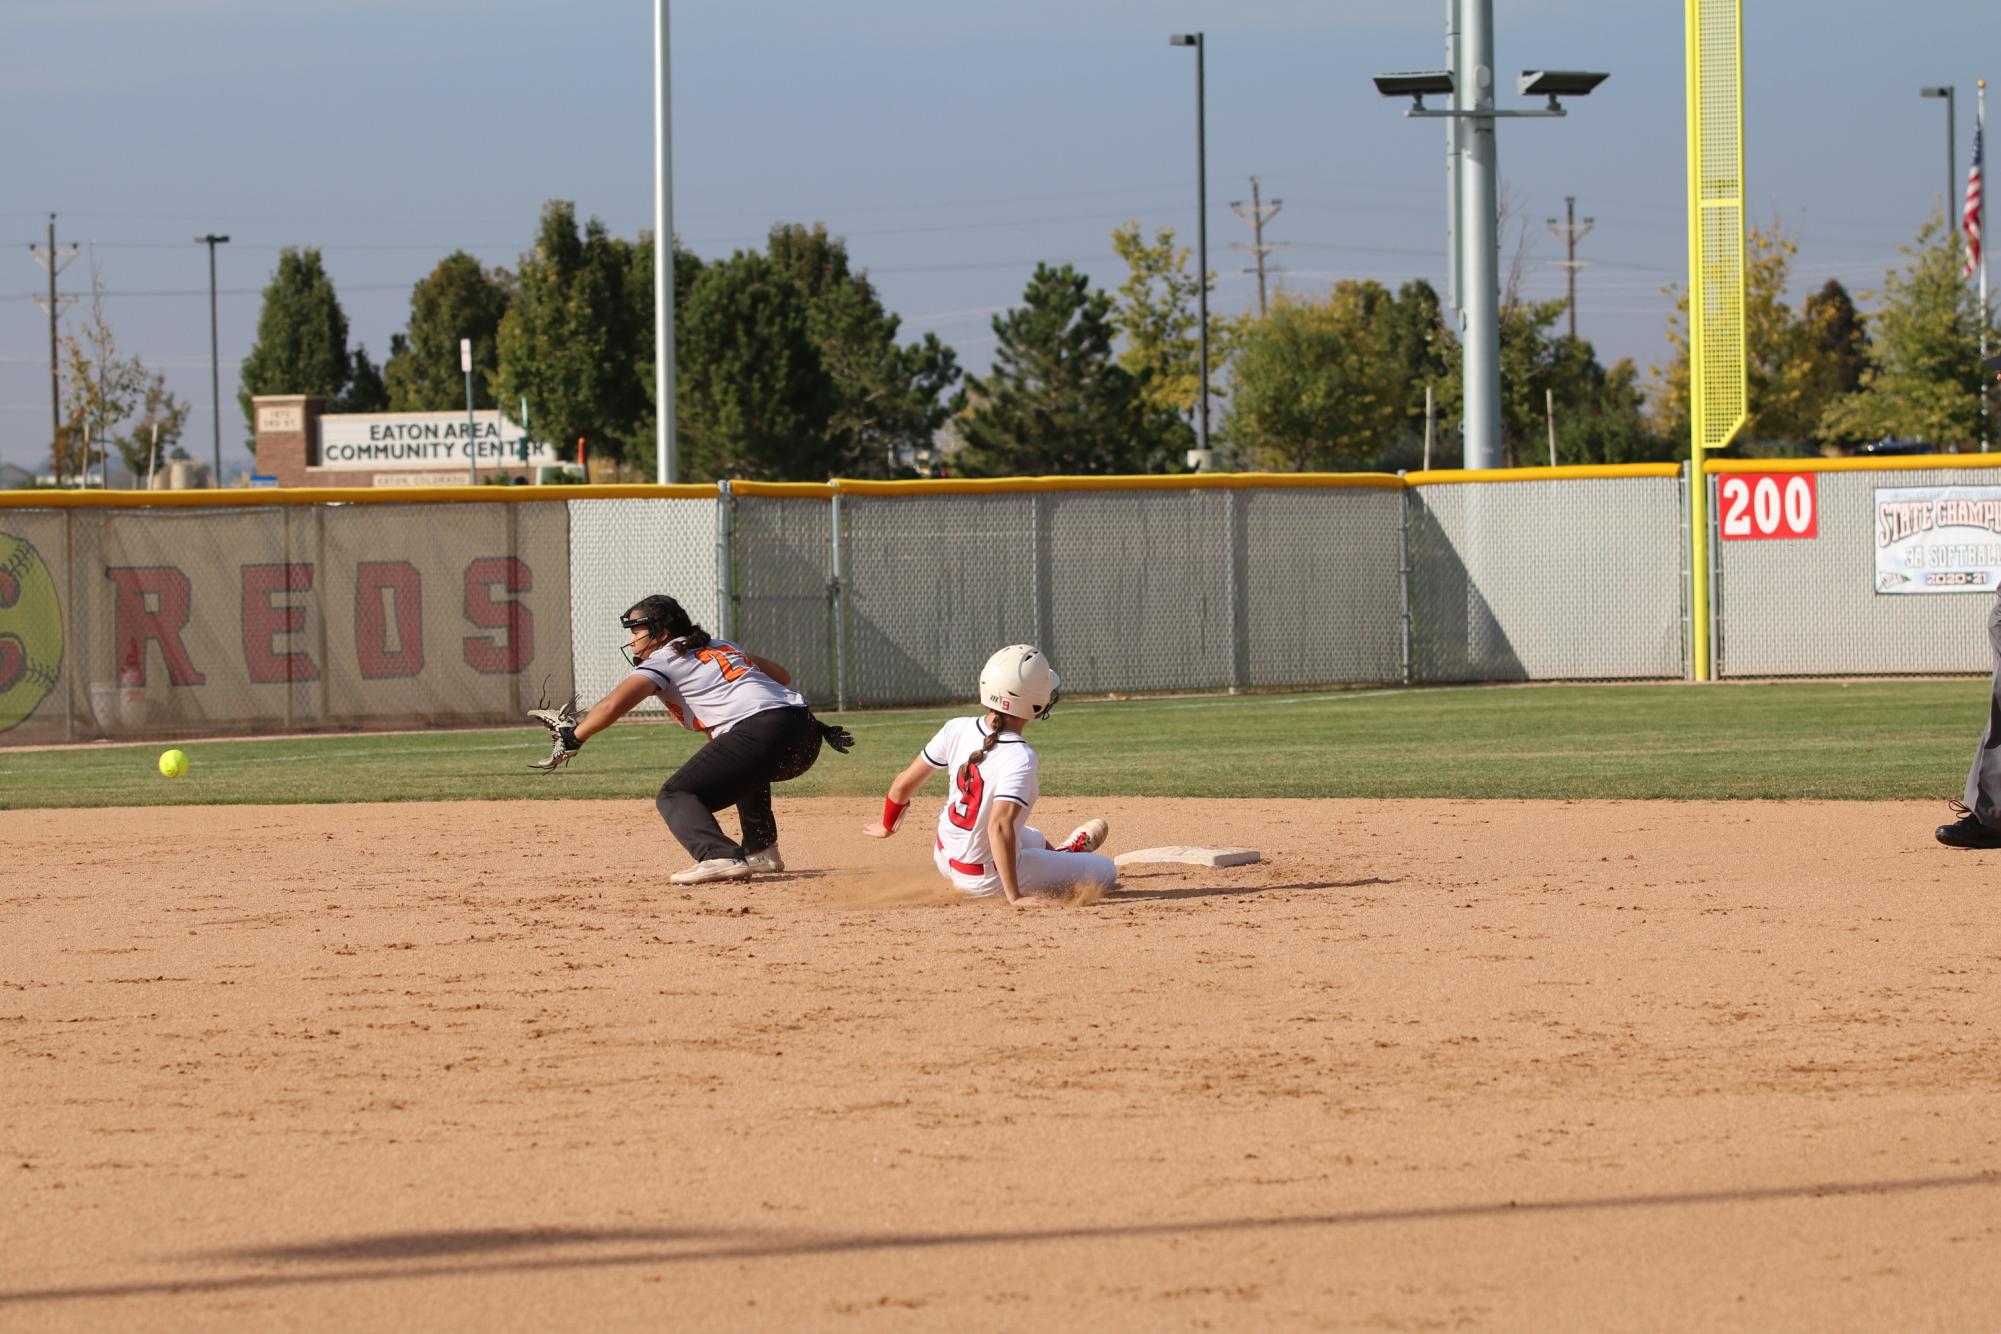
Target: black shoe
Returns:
[[1967, 832]]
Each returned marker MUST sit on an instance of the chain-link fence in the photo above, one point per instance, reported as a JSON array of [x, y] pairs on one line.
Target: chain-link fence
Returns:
[[624, 550], [1565, 578], [1812, 608], [242, 614]]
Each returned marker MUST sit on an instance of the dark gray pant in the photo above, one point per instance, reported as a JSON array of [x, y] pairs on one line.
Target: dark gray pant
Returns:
[[1983, 781], [737, 769]]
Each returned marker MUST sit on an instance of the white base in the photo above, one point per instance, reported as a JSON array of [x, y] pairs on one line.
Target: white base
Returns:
[[1191, 856]]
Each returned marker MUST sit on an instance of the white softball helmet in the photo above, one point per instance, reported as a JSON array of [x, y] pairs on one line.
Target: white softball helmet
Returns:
[[1019, 682]]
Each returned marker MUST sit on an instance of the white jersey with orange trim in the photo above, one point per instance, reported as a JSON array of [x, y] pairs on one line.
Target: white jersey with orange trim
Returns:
[[713, 688], [1010, 772]]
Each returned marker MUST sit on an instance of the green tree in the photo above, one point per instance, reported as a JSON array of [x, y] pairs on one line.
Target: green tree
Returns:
[[1791, 371], [1923, 376], [1423, 348], [753, 397], [891, 399], [1158, 315], [156, 434], [1841, 334], [301, 345], [564, 341], [458, 299], [1057, 400], [1603, 419], [365, 390], [103, 389], [639, 289], [1315, 385]]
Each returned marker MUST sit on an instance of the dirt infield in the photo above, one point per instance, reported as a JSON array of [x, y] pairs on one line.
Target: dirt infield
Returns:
[[1519, 1066]]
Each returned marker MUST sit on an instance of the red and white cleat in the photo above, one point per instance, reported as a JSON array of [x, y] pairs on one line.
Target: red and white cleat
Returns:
[[1086, 837]]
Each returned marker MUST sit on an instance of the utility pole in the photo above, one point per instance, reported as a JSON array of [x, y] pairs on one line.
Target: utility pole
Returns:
[[55, 261], [1258, 214], [1572, 232]]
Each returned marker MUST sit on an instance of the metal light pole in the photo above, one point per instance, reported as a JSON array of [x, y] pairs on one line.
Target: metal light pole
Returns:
[[667, 464], [1951, 149], [1194, 39], [1471, 187], [214, 363]]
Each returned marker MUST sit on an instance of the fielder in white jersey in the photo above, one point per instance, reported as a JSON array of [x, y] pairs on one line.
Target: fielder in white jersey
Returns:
[[759, 729], [983, 843]]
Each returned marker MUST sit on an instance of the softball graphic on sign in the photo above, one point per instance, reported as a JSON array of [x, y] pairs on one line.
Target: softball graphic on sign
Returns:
[[31, 631]]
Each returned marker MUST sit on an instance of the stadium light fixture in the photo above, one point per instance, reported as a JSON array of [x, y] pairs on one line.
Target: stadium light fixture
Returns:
[[1415, 84], [1555, 83]]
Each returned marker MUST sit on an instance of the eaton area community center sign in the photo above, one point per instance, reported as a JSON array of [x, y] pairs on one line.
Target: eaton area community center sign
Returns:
[[373, 441]]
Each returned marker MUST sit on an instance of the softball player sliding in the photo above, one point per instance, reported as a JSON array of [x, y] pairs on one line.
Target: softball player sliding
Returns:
[[760, 732], [984, 843]]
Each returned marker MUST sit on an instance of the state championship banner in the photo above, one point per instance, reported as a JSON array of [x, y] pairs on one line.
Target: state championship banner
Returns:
[[1938, 539], [376, 440]]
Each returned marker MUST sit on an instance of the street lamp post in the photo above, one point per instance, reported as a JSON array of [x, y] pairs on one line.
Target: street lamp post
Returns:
[[1194, 39], [1951, 149], [211, 240]]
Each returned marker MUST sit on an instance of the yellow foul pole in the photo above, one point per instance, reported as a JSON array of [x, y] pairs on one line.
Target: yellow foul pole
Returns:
[[1716, 372]]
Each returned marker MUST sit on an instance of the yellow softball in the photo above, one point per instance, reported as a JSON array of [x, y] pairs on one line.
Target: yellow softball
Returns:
[[174, 764]]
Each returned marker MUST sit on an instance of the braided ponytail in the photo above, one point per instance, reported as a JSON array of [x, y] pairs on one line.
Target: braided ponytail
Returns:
[[973, 760]]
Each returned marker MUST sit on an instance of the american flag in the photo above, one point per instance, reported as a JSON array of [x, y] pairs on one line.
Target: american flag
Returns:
[[1969, 217]]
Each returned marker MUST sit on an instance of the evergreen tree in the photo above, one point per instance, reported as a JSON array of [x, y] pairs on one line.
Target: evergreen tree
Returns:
[[1057, 401], [1923, 377], [458, 299], [301, 345], [754, 399]]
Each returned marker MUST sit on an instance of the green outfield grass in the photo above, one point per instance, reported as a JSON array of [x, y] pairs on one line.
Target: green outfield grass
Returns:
[[1858, 741]]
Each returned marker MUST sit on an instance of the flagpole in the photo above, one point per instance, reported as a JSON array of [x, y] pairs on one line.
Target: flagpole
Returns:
[[1980, 129]]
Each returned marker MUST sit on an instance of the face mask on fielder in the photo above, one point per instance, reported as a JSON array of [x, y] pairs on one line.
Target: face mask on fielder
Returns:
[[631, 621]]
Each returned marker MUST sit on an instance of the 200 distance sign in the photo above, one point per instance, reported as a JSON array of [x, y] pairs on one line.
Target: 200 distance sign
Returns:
[[1766, 505]]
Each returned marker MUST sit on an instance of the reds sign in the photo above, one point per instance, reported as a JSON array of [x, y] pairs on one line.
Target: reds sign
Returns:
[[1767, 505]]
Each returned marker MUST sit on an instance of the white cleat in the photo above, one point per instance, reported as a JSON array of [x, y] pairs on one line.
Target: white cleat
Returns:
[[716, 868], [1086, 837], [765, 862]]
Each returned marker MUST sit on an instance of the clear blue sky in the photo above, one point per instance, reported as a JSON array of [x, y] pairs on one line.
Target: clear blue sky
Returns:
[[953, 145]]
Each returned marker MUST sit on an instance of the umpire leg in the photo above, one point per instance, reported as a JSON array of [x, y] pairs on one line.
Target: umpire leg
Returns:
[[1983, 780]]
